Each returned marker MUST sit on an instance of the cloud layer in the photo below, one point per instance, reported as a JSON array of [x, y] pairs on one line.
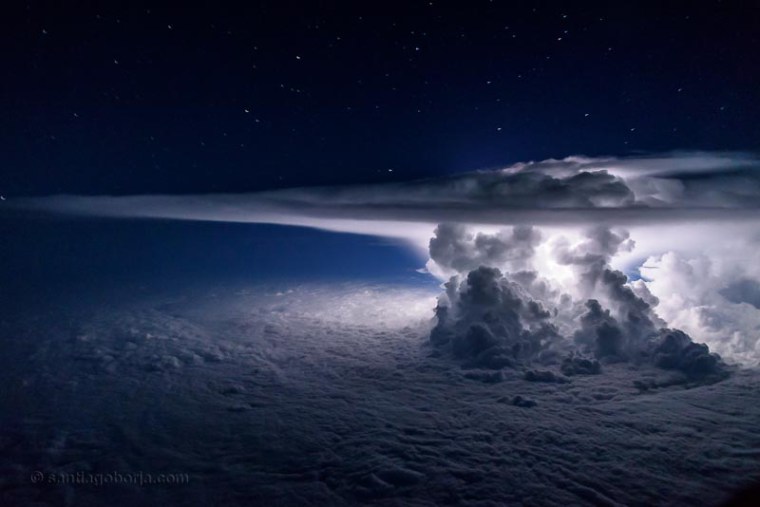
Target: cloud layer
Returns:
[[574, 190], [322, 395]]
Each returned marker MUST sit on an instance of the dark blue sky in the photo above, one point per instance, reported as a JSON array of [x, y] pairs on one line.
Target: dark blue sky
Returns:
[[48, 254], [145, 98]]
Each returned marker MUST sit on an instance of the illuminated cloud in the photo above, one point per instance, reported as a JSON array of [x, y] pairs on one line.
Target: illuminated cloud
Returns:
[[490, 318]]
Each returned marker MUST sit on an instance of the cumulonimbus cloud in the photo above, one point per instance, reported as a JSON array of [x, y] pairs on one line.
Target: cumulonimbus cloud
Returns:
[[691, 231]]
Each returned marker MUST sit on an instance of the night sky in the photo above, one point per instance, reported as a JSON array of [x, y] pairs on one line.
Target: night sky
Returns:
[[145, 98]]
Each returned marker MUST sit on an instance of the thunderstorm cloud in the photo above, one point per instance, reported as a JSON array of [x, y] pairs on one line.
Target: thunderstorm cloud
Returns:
[[619, 259]]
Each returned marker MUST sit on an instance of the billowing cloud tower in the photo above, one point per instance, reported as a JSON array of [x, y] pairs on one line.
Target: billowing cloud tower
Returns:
[[499, 311]]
